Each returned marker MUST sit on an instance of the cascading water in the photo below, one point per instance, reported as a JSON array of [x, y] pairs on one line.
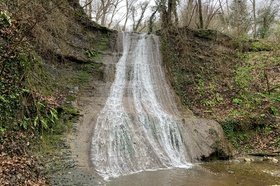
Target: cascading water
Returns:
[[140, 127]]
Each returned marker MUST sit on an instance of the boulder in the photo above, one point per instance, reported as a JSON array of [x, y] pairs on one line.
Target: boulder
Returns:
[[209, 141]]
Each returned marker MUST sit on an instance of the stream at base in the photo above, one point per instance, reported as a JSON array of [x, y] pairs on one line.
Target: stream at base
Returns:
[[207, 174]]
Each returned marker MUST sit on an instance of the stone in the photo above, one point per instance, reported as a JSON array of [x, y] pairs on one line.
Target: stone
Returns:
[[210, 142], [248, 159], [270, 159], [274, 160]]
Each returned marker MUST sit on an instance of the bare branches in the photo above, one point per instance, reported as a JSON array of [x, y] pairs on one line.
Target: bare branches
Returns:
[[143, 7]]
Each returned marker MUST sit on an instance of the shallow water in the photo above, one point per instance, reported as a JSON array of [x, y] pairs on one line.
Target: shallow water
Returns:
[[207, 174]]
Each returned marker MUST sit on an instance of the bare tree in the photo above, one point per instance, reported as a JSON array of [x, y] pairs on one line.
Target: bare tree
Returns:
[[129, 8], [88, 8], [168, 12], [199, 14], [188, 13], [211, 10], [223, 15], [115, 11], [143, 7], [102, 11], [152, 18], [239, 17]]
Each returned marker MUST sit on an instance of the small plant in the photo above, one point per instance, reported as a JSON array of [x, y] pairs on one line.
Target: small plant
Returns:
[[208, 102], [278, 142], [5, 19], [277, 98], [234, 113], [92, 53], [243, 77], [237, 101], [103, 45], [274, 111], [219, 98], [2, 129], [201, 86], [267, 129], [231, 129]]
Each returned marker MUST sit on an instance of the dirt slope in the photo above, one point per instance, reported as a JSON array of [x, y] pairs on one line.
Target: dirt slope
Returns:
[[233, 82]]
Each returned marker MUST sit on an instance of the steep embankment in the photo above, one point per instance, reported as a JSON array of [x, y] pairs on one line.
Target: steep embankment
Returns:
[[49, 51], [234, 82]]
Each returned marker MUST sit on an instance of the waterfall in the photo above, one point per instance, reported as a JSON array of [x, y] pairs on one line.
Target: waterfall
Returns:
[[140, 127]]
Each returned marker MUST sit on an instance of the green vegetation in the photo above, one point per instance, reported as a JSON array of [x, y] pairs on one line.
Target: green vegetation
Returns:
[[35, 74], [92, 53], [239, 88], [44, 63]]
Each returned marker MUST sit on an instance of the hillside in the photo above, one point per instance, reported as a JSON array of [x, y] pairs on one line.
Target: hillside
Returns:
[[49, 51], [232, 81]]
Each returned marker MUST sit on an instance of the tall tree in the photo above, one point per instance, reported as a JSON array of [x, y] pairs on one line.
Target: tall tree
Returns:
[[239, 17], [200, 14], [168, 12], [155, 9], [129, 8], [88, 8], [102, 11], [266, 18], [143, 7], [188, 13], [254, 18]]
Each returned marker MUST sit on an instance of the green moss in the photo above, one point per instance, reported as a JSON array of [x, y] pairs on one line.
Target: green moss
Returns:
[[71, 98], [83, 76], [104, 43]]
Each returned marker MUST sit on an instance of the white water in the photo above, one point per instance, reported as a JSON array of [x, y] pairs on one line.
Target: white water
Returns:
[[140, 127]]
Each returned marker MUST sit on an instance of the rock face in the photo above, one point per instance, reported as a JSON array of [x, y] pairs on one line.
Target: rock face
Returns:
[[210, 139], [141, 125]]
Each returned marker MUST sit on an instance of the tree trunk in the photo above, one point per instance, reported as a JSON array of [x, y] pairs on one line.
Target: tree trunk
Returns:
[[164, 16], [255, 19], [200, 14], [169, 11], [151, 20]]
